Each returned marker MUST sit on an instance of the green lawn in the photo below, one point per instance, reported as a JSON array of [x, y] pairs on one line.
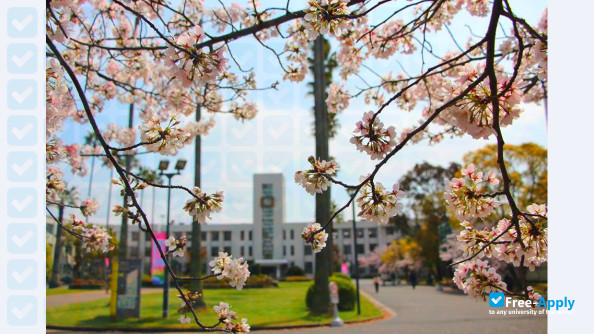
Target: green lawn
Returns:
[[65, 291], [280, 306]]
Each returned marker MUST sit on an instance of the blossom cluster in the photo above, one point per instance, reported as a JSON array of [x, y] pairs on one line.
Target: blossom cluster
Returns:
[[176, 247], [477, 278], [372, 138], [234, 270], [315, 236], [165, 140], [190, 64], [466, 196], [89, 207], [315, 180], [202, 205], [226, 316], [338, 98], [95, 238], [378, 204], [326, 17]]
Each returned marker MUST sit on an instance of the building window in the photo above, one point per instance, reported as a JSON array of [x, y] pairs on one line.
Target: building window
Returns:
[[250, 250], [360, 248], [284, 250], [308, 250], [134, 252], [227, 235], [241, 250], [227, 249], [214, 236], [292, 234], [147, 252], [242, 235], [284, 234], [203, 235], [360, 233], [308, 267], [346, 233], [135, 236], [250, 235], [214, 251], [292, 250], [372, 247], [346, 250], [389, 230], [50, 228], [372, 232]]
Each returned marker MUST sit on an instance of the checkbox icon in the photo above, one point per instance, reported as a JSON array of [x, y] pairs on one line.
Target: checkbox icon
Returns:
[[22, 22], [22, 166], [496, 299], [22, 58], [22, 274], [21, 238], [22, 203], [21, 130], [21, 310], [22, 94]]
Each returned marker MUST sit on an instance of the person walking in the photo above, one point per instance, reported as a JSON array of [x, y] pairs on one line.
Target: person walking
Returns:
[[413, 279], [376, 282]]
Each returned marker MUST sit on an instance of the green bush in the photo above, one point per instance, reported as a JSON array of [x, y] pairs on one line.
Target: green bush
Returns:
[[254, 281], [346, 293], [295, 271], [298, 279], [341, 275], [82, 283]]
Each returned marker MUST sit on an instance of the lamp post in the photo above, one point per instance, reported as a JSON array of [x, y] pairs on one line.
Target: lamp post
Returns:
[[179, 166], [352, 193]]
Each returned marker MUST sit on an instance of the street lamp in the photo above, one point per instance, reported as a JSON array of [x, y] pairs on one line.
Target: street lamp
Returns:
[[352, 192], [179, 166]]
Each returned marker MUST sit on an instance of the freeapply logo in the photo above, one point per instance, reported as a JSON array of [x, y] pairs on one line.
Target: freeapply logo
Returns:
[[498, 299]]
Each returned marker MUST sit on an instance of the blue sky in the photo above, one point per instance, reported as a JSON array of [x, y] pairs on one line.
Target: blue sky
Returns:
[[280, 140]]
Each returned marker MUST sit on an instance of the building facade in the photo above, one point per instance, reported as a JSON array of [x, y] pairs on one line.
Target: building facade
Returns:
[[269, 242]]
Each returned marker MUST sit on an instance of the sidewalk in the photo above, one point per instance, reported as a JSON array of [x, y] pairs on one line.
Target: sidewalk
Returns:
[[426, 310]]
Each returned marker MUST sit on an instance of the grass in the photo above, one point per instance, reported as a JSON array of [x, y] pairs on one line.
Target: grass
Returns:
[[65, 291], [282, 306]]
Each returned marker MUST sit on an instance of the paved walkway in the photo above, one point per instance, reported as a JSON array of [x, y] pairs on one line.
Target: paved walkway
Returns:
[[87, 296], [426, 310]]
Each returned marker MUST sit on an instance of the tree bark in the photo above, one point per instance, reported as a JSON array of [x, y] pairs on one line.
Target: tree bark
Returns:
[[323, 265]]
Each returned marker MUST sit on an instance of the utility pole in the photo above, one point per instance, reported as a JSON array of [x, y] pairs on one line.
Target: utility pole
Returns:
[[124, 227], [196, 251], [323, 259]]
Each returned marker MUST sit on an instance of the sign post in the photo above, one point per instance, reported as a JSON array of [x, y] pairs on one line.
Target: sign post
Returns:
[[128, 299], [336, 322]]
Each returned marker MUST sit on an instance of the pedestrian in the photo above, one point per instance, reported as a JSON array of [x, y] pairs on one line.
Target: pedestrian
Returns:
[[376, 282], [413, 279]]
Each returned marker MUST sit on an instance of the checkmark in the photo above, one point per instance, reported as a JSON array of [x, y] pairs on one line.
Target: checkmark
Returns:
[[20, 313], [21, 277], [21, 169], [496, 300], [21, 133], [240, 133], [278, 132], [22, 240], [21, 97], [22, 205], [21, 61], [22, 24]]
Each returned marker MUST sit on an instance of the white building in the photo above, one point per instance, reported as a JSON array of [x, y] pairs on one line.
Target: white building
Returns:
[[269, 241]]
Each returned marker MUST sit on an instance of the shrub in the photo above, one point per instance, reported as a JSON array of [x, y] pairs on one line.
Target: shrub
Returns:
[[346, 293], [295, 271], [254, 281], [298, 279], [82, 283], [341, 275]]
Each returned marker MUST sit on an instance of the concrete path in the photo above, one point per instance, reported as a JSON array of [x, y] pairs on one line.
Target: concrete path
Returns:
[[426, 310], [87, 296]]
